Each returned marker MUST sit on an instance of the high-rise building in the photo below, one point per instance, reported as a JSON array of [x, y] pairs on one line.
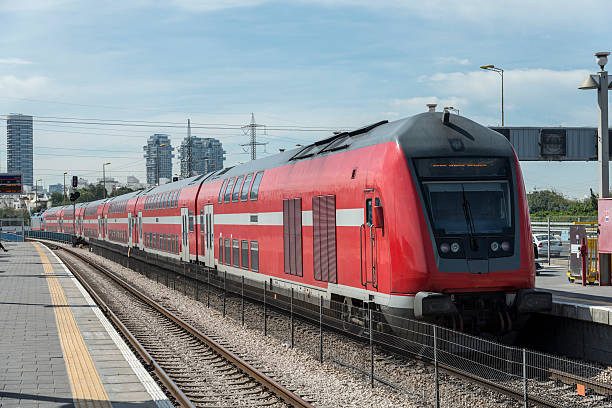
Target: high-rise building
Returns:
[[207, 155], [19, 143], [56, 188], [158, 152]]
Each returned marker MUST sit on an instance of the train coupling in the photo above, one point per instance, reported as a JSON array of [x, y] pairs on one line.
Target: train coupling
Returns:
[[533, 301], [432, 304]]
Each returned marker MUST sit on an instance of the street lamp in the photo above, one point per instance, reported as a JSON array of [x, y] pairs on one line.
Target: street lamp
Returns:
[[500, 72], [601, 82], [65, 185], [36, 191], [451, 109], [104, 177], [157, 161]]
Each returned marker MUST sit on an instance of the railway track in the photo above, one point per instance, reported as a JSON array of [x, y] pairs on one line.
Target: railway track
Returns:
[[554, 389], [197, 370]]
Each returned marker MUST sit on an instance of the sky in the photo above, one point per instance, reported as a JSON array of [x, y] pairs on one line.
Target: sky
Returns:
[[303, 68]]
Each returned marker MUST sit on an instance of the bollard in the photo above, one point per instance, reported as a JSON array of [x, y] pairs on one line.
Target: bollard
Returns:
[[292, 325]]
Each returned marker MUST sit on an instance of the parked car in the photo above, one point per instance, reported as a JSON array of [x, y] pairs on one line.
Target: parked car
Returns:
[[540, 242]]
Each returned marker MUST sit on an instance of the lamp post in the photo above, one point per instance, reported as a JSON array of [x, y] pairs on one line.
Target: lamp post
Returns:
[[500, 72], [36, 191], [601, 82], [157, 161], [65, 185], [104, 177]]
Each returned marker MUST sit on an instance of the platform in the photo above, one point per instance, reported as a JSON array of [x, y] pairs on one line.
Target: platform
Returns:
[[57, 349], [572, 300]]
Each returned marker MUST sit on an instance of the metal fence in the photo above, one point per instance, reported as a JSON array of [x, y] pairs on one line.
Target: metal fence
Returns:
[[419, 359], [12, 229], [416, 358]]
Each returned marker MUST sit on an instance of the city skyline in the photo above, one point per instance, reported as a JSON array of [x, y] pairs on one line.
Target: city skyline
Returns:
[[312, 64]]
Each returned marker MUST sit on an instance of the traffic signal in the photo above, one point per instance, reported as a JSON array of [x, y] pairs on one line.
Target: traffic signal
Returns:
[[75, 181]]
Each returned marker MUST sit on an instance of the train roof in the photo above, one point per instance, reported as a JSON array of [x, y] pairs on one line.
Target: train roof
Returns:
[[423, 135]]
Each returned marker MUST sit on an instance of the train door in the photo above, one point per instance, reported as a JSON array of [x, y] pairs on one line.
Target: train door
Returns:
[[140, 230], [209, 236], [185, 234], [130, 240], [368, 237]]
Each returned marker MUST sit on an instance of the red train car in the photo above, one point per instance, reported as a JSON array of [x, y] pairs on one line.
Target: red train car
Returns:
[[424, 217]]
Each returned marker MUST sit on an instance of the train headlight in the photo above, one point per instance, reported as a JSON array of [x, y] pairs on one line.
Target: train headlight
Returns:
[[455, 247], [494, 246], [505, 246], [444, 248]]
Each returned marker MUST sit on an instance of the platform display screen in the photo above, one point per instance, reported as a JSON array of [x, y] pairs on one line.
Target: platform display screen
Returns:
[[10, 184]]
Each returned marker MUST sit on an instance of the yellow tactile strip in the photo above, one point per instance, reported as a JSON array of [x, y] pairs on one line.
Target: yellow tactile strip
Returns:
[[87, 388]]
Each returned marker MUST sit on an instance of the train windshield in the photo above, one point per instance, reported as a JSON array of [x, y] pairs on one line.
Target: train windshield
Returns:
[[464, 207]]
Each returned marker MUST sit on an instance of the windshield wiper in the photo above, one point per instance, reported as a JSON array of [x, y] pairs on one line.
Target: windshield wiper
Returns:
[[467, 212]]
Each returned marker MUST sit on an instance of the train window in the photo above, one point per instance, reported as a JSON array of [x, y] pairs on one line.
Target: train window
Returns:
[[236, 252], [244, 254], [191, 221], [244, 192], [228, 253], [236, 190], [222, 191], [166, 200], [202, 220], [254, 256], [228, 191], [255, 187], [369, 211], [220, 250], [173, 203]]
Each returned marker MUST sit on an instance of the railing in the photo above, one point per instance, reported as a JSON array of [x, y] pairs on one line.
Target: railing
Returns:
[[410, 356]]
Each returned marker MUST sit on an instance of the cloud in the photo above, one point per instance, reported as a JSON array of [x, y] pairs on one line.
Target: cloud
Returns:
[[531, 96], [14, 61], [13, 87], [452, 61], [213, 5], [415, 105]]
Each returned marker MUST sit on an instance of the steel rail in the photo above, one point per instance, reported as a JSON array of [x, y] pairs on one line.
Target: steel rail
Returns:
[[508, 391], [281, 392], [161, 374]]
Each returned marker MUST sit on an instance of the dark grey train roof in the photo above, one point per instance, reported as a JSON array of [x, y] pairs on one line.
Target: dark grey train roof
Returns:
[[423, 135]]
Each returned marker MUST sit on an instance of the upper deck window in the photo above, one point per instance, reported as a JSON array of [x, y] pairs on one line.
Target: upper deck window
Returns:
[[236, 190], [228, 191], [244, 193], [222, 190], [255, 187]]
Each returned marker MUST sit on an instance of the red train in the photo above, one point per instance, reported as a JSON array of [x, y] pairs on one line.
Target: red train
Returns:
[[423, 217]]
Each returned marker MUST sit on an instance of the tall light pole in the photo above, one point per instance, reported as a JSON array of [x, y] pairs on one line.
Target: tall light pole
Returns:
[[601, 82], [500, 72], [65, 185], [36, 191], [157, 161], [104, 177]]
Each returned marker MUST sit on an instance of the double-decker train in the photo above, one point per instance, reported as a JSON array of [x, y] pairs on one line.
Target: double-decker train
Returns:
[[424, 217]]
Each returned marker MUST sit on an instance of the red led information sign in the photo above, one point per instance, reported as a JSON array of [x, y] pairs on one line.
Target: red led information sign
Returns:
[[10, 184]]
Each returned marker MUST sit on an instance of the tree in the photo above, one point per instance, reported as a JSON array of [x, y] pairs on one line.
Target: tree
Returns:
[[550, 202]]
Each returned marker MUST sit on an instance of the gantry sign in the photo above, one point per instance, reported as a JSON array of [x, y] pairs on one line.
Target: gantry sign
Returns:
[[553, 143]]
